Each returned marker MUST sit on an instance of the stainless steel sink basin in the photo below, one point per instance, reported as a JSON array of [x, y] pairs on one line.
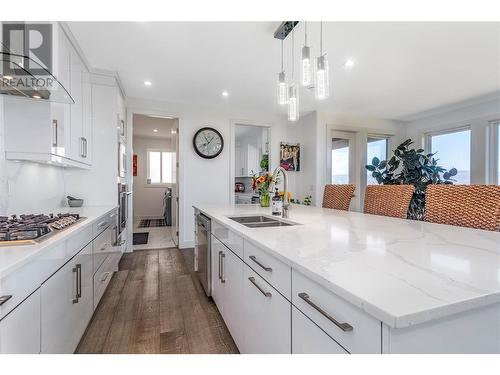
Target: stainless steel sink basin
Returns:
[[260, 221]]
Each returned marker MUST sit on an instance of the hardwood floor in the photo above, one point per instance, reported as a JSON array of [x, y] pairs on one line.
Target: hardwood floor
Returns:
[[155, 304]]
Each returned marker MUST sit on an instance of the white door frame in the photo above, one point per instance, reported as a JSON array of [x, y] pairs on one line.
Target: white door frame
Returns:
[[232, 152], [180, 177]]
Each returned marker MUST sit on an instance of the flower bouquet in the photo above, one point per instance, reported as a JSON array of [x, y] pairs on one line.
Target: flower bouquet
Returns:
[[261, 185]]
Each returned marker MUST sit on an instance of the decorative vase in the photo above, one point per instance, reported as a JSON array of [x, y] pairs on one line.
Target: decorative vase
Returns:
[[264, 200]]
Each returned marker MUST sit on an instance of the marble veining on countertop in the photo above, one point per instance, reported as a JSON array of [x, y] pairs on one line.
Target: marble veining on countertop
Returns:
[[13, 257], [402, 272]]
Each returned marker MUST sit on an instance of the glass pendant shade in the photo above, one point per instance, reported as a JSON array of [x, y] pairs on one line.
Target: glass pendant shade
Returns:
[[307, 74], [322, 84], [282, 91], [293, 102]]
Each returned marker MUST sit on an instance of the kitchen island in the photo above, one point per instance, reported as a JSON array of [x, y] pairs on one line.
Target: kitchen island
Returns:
[[400, 286]]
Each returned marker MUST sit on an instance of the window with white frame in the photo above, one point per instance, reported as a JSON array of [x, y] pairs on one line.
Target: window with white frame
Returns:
[[452, 149], [376, 147], [161, 167]]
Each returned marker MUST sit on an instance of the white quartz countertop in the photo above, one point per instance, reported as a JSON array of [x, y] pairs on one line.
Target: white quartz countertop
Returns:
[[402, 272], [13, 257]]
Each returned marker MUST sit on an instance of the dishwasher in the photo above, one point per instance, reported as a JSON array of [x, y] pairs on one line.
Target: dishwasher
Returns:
[[202, 252]]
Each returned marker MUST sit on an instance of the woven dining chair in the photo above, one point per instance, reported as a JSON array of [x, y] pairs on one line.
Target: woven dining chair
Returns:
[[388, 200], [338, 197], [474, 206]]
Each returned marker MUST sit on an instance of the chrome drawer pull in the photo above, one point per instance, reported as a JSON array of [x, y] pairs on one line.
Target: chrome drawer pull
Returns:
[[343, 326], [220, 253], [4, 299], [268, 269], [267, 294]]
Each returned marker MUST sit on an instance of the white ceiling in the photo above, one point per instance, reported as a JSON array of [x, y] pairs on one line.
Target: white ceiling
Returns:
[[401, 68], [144, 126]]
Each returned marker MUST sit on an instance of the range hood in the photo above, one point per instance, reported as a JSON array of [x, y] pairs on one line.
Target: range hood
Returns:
[[24, 77]]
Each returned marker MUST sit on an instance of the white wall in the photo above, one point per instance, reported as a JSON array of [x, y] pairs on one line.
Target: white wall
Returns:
[[148, 200], [478, 113], [27, 187], [202, 180]]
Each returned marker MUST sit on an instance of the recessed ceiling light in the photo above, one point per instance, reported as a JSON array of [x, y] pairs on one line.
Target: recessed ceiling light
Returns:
[[155, 130], [349, 63], [147, 83], [225, 94]]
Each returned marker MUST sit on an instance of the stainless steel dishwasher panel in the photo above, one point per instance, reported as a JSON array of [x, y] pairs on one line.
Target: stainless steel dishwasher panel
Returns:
[[202, 254]]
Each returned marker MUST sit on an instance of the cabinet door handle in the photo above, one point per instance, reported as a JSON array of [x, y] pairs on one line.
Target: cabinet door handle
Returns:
[[82, 152], [76, 271], [268, 269], [267, 294], [222, 273], [106, 274], [103, 247], [220, 253], [4, 299], [101, 224], [343, 326], [85, 142], [54, 133]]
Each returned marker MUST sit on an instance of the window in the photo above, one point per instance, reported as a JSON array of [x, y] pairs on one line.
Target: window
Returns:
[[498, 152], [161, 167], [452, 150], [340, 161], [376, 147]]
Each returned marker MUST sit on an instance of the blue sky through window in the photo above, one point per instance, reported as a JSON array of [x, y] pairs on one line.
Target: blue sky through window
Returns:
[[453, 151]]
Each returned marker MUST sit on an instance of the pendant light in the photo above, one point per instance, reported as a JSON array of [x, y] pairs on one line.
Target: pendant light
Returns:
[[307, 74], [322, 84], [282, 89], [293, 91]]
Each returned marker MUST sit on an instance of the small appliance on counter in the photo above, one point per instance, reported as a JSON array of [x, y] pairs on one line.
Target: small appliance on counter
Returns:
[[31, 229], [239, 187], [74, 202]]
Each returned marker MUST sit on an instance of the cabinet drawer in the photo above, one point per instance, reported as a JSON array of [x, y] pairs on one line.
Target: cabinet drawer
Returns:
[[102, 278], [107, 220], [20, 330], [102, 247], [360, 332], [18, 285], [275, 272], [228, 238], [78, 241], [308, 338], [266, 317]]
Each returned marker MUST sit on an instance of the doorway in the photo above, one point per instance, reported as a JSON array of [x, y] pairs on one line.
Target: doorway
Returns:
[[155, 181]]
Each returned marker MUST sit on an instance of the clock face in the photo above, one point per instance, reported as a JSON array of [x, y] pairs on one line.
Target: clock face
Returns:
[[208, 143]]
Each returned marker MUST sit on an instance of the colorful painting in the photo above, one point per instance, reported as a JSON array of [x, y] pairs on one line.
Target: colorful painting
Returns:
[[290, 156]]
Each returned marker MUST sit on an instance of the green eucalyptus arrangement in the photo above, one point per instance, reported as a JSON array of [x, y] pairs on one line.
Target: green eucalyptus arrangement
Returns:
[[411, 167]]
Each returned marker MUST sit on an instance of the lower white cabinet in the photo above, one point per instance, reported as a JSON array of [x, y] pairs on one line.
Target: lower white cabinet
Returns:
[[67, 304], [228, 288], [308, 338], [20, 329], [267, 317]]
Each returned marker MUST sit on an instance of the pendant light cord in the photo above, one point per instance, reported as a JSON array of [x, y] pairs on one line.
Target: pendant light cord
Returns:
[[281, 54], [305, 36], [293, 51], [321, 38]]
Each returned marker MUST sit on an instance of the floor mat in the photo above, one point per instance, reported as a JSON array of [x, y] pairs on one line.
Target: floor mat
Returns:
[[151, 223], [140, 238]]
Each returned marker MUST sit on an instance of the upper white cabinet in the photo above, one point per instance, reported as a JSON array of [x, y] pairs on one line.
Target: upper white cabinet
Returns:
[[51, 132], [246, 159]]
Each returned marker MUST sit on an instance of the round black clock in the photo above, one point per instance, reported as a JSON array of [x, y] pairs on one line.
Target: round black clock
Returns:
[[208, 143]]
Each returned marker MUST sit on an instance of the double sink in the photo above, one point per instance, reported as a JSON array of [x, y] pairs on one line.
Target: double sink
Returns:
[[260, 221]]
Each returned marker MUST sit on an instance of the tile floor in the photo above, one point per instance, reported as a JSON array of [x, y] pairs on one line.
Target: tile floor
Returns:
[[159, 237]]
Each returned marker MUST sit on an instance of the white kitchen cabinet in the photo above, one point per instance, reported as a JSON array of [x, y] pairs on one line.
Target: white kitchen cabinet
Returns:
[[308, 338], [20, 329], [267, 319], [227, 288], [50, 132], [67, 304], [246, 159]]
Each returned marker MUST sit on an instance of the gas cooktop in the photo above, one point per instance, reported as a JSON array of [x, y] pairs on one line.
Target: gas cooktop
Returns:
[[30, 229]]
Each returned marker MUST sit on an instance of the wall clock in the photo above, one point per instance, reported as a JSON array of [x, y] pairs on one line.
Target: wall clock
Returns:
[[208, 143]]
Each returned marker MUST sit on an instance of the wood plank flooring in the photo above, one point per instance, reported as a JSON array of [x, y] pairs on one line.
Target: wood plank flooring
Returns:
[[155, 304]]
